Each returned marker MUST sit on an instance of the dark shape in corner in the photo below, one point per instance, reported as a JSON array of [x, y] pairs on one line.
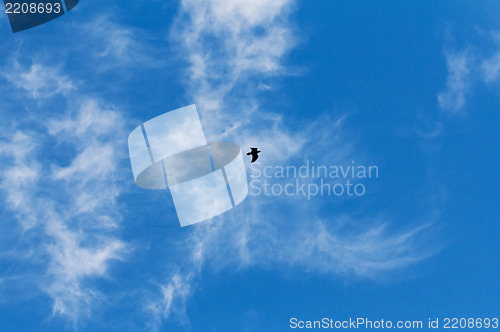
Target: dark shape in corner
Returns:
[[27, 14], [254, 153]]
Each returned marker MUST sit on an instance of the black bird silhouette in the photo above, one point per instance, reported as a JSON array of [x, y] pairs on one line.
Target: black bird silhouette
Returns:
[[254, 153]]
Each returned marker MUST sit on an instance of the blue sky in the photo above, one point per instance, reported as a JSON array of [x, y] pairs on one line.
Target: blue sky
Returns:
[[411, 87]]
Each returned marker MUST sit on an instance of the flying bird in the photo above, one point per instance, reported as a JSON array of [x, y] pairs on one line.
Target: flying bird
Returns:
[[254, 153]]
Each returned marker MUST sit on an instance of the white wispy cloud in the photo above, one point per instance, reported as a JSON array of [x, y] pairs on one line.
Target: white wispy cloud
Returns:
[[171, 300], [92, 121], [20, 175], [457, 83], [283, 234], [69, 210], [113, 44], [39, 81], [340, 245], [230, 47], [466, 68], [226, 42], [85, 250], [491, 65]]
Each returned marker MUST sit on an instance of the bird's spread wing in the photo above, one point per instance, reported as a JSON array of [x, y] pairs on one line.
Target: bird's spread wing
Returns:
[[254, 157]]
